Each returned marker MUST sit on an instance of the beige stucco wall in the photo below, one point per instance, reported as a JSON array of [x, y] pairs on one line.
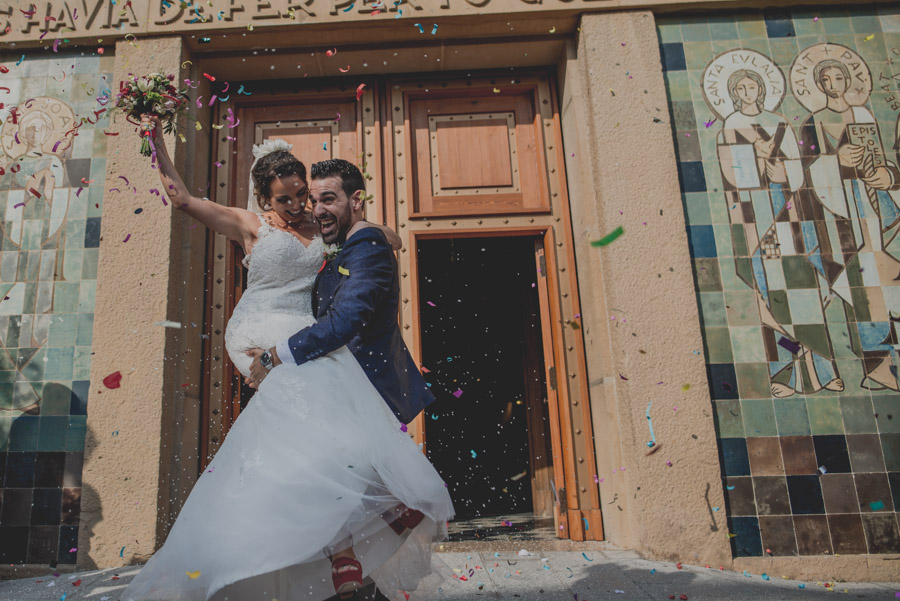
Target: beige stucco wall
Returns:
[[622, 171], [131, 431]]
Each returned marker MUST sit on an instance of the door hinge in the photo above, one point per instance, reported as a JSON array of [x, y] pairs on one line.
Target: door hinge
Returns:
[[551, 378]]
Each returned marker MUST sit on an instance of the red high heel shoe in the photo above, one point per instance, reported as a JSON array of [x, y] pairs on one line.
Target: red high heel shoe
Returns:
[[407, 519], [346, 582]]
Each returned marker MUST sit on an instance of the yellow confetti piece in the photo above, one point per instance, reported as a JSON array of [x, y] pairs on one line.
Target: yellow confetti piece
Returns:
[[217, 126], [870, 37], [730, 535], [686, 387], [553, 29], [496, 90], [193, 575], [250, 27], [197, 125], [183, 139], [343, 270]]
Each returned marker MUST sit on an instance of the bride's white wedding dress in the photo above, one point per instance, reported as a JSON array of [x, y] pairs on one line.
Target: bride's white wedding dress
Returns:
[[313, 461]]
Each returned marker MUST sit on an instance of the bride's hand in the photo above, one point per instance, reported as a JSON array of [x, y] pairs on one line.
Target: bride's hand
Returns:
[[150, 122], [258, 373]]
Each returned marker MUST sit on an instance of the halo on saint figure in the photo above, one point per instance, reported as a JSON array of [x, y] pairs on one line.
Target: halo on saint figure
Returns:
[[40, 126], [765, 73], [816, 60]]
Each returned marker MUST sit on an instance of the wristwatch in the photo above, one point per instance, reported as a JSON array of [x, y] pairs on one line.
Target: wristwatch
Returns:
[[266, 360]]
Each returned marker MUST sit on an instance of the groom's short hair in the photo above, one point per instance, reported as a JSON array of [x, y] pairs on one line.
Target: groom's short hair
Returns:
[[351, 177]]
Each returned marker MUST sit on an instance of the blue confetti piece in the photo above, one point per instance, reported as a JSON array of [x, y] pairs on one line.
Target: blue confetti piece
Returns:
[[729, 487], [571, 573], [650, 423], [716, 508], [419, 25], [20, 60], [434, 29], [546, 567], [122, 552], [474, 454], [653, 571], [765, 576], [434, 417], [801, 585], [583, 554], [349, 8]]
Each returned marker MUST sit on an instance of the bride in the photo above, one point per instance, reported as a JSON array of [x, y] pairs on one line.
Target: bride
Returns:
[[316, 485]]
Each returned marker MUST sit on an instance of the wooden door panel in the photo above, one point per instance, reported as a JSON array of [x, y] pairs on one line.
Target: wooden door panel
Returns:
[[320, 125], [476, 155]]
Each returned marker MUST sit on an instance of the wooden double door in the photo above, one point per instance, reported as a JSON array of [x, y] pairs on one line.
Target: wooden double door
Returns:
[[442, 159]]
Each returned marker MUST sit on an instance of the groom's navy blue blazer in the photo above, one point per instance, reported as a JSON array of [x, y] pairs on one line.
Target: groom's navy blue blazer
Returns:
[[355, 300]]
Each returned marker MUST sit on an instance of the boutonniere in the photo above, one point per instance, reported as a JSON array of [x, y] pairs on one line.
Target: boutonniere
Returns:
[[329, 255]]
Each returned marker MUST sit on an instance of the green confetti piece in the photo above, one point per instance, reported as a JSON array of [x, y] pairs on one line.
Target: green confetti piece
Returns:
[[876, 505], [608, 238]]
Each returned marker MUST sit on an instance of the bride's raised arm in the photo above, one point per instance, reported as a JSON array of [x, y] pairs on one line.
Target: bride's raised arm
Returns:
[[234, 223]]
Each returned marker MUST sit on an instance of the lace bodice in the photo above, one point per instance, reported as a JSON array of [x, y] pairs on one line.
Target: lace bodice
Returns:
[[277, 302]]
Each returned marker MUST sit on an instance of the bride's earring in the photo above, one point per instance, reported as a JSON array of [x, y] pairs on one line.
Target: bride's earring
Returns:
[[267, 207]]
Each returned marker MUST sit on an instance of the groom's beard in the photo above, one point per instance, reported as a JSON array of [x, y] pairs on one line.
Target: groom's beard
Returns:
[[338, 234]]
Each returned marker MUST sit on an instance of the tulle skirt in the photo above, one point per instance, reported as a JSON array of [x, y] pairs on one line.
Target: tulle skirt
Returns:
[[315, 462]]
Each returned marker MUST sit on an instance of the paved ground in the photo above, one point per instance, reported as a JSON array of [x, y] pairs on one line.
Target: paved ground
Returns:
[[597, 575]]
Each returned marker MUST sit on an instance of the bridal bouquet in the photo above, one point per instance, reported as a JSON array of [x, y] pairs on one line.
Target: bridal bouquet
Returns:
[[152, 94]]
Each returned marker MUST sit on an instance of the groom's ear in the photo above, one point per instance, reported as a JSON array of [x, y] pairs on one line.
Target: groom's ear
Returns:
[[357, 200]]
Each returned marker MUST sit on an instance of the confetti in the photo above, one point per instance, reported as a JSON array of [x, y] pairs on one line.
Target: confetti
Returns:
[[122, 551], [869, 37], [434, 29], [342, 70], [331, 52], [127, 238], [876, 505], [360, 90], [168, 324], [474, 454], [343, 270], [193, 575], [609, 238], [349, 8], [686, 387], [113, 380], [419, 25], [430, 304], [404, 428], [652, 440], [586, 557], [790, 345], [553, 29], [458, 392]]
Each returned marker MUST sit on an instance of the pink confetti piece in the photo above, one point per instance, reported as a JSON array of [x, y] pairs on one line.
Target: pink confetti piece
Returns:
[[218, 163], [404, 428], [127, 238], [212, 100], [78, 191], [430, 304], [458, 393], [18, 204], [56, 45]]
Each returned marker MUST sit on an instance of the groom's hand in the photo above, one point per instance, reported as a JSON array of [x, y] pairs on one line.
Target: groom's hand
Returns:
[[258, 373]]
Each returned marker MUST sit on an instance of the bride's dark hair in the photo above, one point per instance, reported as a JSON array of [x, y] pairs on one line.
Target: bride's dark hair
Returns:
[[280, 163]]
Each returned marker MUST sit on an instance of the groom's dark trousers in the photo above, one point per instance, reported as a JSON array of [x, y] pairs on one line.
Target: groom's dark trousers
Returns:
[[355, 300]]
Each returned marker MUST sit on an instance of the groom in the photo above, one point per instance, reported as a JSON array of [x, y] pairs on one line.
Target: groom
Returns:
[[355, 297]]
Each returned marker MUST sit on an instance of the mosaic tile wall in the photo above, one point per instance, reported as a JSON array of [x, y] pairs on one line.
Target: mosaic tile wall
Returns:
[[787, 135], [49, 238]]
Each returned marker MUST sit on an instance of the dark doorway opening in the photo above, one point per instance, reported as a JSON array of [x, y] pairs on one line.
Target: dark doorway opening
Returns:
[[488, 432]]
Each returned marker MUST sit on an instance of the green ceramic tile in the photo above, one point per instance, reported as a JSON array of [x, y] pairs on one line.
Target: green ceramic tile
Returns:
[[75, 233], [669, 30], [53, 432], [89, 267], [31, 363], [747, 344], [697, 55], [742, 307], [851, 373], [23, 434], [728, 419], [695, 29], [751, 26], [6, 390], [63, 329], [890, 19], [836, 24], [72, 264], [783, 51], [712, 310], [723, 27], [824, 415], [718, 345], [85, 329], [806, 23], [678, 85], [887, 412], [753, 380], [56, 398], [76, 433], [707, 272], [729, 274], [798, 272], [5, 426], [791, 417], [81, 363], [59, 363], [87, 296], [759, 417], [858, 414], [696, 206], [65, 297]]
